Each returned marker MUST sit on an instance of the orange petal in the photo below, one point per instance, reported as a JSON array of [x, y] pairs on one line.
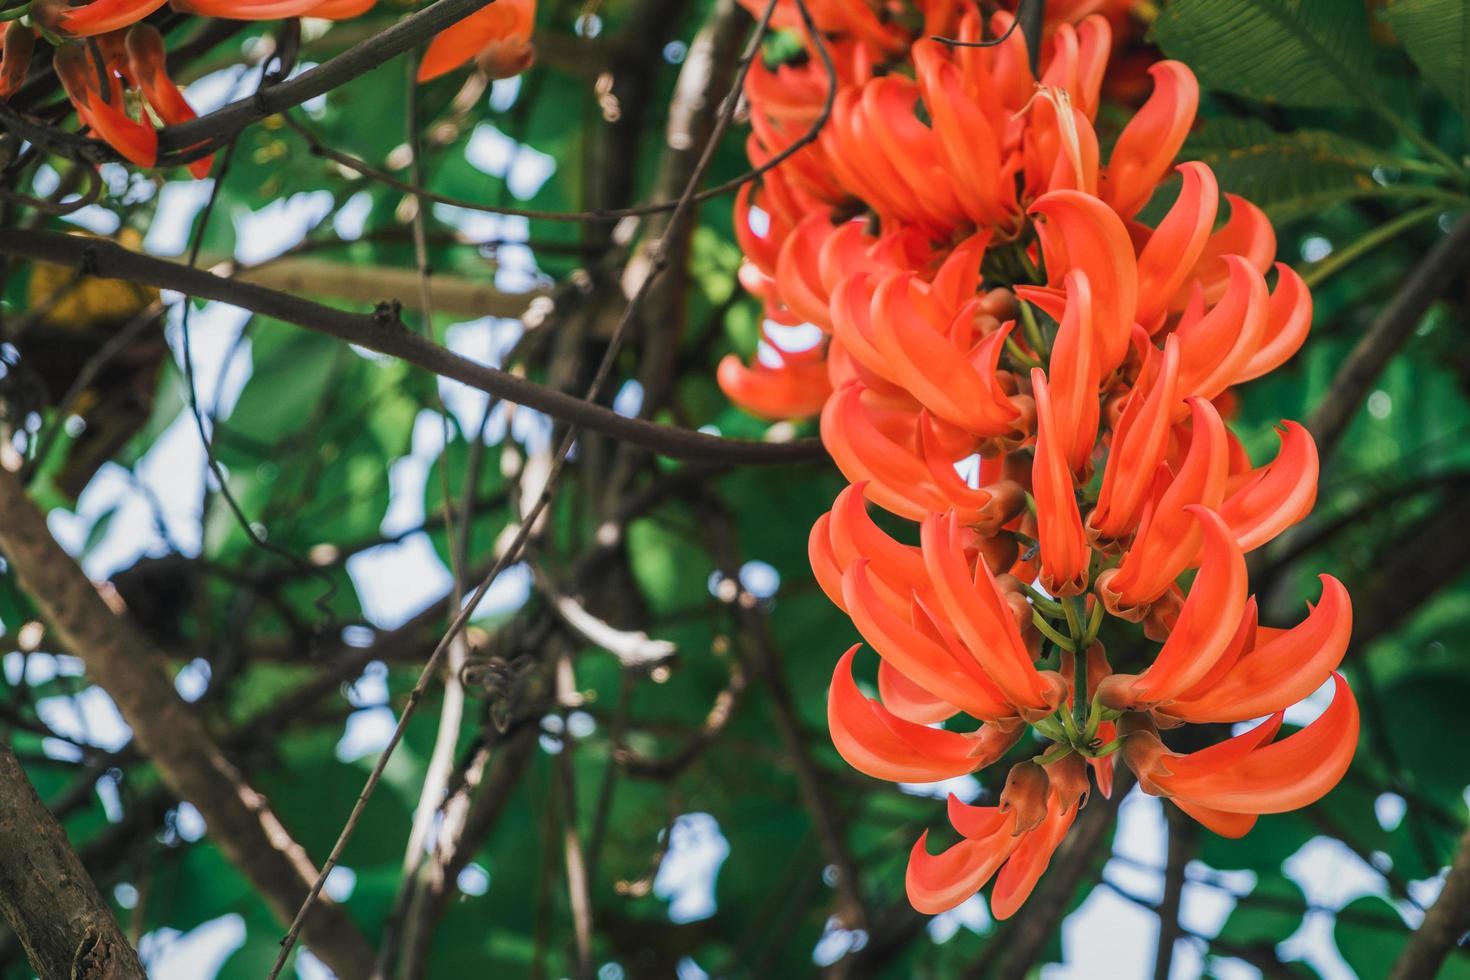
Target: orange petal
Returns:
[[1214, 349], [1080, 232], [799, 387], [980, 615], [1064, 550], [1286, 775], [503, 20], [925, 660], [877, 742], [1288, 319], [1282, 668], [1208, 620], [1168, 540], [908, 700], [97, 17], [1152, 138], [938, 882], [1277, 495], [1139, 441], [1029, 861], [1177, 244]]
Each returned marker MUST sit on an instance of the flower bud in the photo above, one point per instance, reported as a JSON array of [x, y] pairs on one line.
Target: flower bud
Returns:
[[1068, 780], [1025, 795]]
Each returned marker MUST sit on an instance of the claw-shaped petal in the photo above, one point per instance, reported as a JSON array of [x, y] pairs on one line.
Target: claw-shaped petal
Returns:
[[1278, 668], [1064, 551]]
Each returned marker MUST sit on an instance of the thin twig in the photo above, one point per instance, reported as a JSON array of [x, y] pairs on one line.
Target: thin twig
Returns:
[[529, 521], [385, 333], [1442, 266]]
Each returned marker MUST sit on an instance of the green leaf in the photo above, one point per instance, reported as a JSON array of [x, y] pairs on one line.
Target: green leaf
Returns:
[[1295, 174], [1270, 913], [1293, 52], [1436, 33]]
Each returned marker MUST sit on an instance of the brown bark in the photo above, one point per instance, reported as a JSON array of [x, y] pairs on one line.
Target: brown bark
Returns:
[[46, 894], [119, 659], [1446, 922]]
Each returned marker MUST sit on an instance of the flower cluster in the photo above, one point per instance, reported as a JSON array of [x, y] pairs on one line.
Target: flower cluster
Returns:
[[951, 196], [105, 48]]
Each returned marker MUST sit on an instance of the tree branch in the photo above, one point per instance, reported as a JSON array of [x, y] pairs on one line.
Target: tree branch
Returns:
[[189, 762], [384, 332], [357, 60], [47, 896], [1444, 926], [1444, 264]]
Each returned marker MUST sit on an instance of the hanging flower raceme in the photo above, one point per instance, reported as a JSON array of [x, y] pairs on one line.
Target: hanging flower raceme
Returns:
[[928, 185], [1040, 382]]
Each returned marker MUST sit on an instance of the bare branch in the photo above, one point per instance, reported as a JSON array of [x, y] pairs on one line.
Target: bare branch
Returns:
[[189, 762], [385, 333], [1442, 266], [48, 897], [1445, 924]]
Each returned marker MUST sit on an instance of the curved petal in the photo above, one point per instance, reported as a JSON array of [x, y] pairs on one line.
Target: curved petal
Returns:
[[908, 700], [1208, 621], [877, 742], [982, 618], [938, 882], [1282, 668], [1073, 375], [1152, 138], [923, 659], [799, 387], [500, 22], [1139, 442], [1286, 775], [1278, 494], [1288, 320], [1029, 861], [1177, 244], [1078, 231], [1064, 551], [1215, 348], [1168, 540]]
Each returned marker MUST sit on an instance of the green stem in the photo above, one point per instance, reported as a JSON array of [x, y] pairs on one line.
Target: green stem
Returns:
[[1094, 623], [1319, 271], [1069, 725], [1049, 606], [1074, 626], [1057, 753], [1050, 632], [1033, 330], [1050, 729], [15, 13], [1107, 748], [1022, 358]]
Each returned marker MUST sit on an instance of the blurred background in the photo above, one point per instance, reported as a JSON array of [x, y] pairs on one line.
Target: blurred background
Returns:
[[652, 680]]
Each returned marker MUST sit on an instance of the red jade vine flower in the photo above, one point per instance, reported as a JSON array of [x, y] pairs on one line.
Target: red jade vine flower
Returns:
[[988, 296]]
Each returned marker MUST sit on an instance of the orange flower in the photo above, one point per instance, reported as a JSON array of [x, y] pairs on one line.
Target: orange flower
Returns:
[[91, 19], [878, 235], [1064, 551], [497, 37], [937, 883], [150, 72], [102, 111], [15, 57], [875, 741], [1226, 785]]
